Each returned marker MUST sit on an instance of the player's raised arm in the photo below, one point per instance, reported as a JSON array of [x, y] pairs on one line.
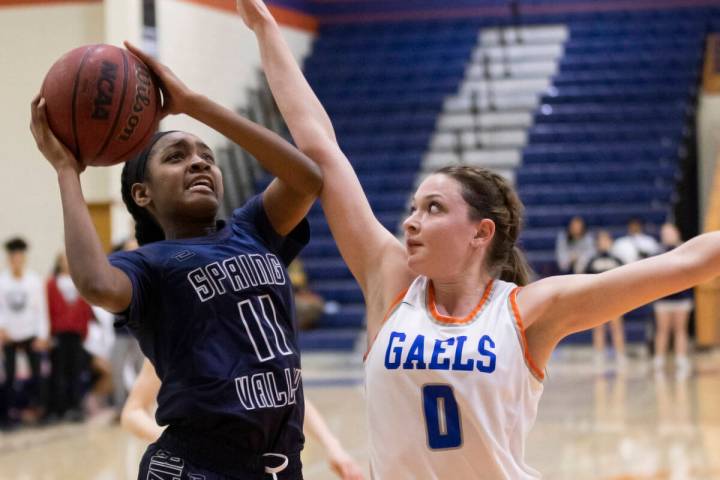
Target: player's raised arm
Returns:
[[290, 196], [98, 281], [555, 307], [135, 416], [362, 240]]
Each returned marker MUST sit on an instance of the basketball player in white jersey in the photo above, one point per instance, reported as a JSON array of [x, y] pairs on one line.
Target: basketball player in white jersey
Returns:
[[457, 350]]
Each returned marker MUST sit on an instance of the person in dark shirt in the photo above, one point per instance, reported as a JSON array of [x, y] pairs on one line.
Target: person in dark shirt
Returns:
[[602, 261], [209, 301]]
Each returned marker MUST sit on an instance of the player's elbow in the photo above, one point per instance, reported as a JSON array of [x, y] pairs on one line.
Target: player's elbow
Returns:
[[103, 294]]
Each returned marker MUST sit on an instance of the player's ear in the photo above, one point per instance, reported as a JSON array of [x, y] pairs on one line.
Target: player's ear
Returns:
[[141, 194], [484, 233]]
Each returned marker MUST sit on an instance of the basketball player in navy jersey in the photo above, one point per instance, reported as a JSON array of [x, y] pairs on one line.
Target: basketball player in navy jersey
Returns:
[[209, 301]]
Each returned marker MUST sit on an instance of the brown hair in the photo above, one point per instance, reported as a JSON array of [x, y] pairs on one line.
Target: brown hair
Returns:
[[490, 196]]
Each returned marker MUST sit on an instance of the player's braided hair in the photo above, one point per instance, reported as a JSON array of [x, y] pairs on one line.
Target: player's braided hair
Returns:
[[490, 196], [147, 230]]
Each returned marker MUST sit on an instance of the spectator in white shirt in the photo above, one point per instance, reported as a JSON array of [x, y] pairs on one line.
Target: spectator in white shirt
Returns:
[[636, 245], [23, 326]]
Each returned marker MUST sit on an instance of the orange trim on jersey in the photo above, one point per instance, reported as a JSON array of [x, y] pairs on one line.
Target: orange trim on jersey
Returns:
[[393, 307], [521, 329], [284, 16], [454, 320]]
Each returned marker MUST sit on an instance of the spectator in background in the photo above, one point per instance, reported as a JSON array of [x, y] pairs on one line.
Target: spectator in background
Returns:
[[23, 326], [309, 305], [98, 345], [672, 314], [126, 359], [573, 244], [69, 318], [603, 261], [636, 245]]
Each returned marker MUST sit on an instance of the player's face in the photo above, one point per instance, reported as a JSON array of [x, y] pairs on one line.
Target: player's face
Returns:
[[183, 179], [439, 234]]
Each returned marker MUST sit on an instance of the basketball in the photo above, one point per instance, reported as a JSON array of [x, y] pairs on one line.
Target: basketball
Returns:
[[102, 103]]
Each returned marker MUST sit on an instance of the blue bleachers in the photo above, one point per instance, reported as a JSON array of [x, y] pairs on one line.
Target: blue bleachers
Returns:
[[604, 144]]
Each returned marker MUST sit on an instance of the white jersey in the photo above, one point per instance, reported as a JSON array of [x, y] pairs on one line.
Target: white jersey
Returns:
[[451, 398]]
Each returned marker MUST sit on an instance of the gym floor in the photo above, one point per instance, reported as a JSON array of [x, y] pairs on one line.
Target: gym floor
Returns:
[[591, 425]]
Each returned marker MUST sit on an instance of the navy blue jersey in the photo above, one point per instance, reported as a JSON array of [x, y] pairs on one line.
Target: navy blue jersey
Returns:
[[215, 315]]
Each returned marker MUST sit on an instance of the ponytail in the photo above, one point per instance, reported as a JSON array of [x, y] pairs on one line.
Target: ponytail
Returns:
[[516, 269]]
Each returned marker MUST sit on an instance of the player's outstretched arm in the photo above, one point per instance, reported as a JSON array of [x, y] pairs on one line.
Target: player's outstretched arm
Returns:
[[135, 416], [98, 281], [341, 463], [299, 179], [366, 246], [555, 307]]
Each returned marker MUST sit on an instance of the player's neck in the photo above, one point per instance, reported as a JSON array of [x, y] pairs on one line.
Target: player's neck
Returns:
[[458, 297], [17, 273], [189, 229]]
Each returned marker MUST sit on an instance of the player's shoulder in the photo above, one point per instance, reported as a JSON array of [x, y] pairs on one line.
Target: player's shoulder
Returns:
[[501, 289]]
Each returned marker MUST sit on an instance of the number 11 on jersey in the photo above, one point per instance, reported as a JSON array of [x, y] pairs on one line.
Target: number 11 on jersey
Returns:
[[442, 417]]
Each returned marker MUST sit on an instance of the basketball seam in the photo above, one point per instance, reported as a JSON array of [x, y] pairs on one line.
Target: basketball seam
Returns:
[[120, 108], [74, 99]]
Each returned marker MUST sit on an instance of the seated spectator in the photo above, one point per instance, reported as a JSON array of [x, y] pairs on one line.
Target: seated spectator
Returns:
[[636, 245], [672, 314], [309, 305], [69, 318], [603, 261], [572, 244]]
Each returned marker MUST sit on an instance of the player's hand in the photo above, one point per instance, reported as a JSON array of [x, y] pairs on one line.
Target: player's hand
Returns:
[[3, 336], [41, 345], [344, 466], [59, 156], [254, 13], [176, 95]]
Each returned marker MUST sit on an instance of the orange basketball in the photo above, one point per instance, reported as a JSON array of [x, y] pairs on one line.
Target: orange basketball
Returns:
[[102, 103]]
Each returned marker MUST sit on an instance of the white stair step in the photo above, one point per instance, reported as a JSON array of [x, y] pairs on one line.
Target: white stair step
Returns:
[[518, 53], [535, 69], [484, 120], [499, 102], [507, 159], [492, 158], [531, 35], [471, 139], [505, 86]]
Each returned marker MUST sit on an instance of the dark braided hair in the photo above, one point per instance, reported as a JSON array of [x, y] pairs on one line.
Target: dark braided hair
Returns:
[[490, 196], [147, 229]]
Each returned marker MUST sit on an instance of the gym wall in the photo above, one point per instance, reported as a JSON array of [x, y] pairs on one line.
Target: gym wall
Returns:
[[204, 42]]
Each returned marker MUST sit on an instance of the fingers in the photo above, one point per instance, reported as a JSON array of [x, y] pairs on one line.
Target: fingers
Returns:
[[137, 52], [148, 60], [38, 117]]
